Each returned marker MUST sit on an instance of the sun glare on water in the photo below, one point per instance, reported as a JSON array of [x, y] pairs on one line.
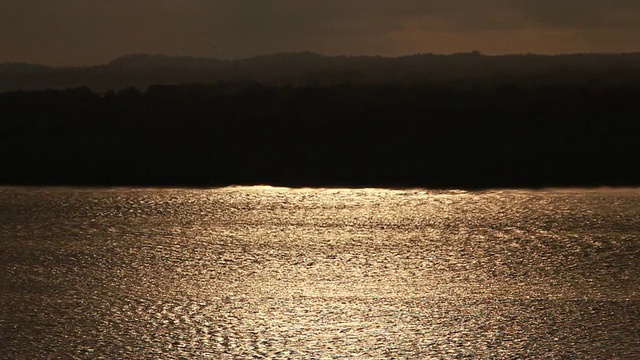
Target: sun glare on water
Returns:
[[262, 272]]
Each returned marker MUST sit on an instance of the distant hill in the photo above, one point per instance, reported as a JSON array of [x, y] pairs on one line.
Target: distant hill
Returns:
[[24, 68], [161, 61], [142, 70]]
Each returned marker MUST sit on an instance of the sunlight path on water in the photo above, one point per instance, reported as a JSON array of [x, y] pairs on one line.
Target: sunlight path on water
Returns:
[[264, 272]]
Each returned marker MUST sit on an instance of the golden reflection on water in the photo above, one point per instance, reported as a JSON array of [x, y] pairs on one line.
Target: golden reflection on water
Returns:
[[262, 272]]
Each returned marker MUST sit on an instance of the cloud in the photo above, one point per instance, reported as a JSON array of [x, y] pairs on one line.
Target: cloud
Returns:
[[582, 14], [93, 31]]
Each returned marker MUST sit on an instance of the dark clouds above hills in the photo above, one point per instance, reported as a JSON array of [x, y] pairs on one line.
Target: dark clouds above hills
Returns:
[[94, 31]]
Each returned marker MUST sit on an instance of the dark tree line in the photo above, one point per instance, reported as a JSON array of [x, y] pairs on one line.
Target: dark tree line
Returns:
[[440, 136]]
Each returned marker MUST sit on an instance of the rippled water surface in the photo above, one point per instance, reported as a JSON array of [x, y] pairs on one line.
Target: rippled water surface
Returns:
[[310, 274]]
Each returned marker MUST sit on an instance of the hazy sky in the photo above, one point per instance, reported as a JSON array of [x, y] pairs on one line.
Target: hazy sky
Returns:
[[86, 32]]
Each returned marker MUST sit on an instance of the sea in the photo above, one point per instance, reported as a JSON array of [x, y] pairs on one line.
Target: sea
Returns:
[[279, 273]]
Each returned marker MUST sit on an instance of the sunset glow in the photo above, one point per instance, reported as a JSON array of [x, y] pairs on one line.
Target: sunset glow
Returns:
[[81, 32]]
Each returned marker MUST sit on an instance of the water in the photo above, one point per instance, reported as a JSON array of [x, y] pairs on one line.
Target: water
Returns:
[[311, 274]]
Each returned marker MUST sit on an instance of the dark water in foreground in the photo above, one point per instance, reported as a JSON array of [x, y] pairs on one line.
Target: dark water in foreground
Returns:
[[312, 274]]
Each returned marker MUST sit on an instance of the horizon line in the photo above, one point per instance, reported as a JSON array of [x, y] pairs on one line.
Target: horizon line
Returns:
[[308, 52]]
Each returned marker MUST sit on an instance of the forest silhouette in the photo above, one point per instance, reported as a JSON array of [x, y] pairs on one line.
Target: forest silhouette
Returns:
[[472, 135]]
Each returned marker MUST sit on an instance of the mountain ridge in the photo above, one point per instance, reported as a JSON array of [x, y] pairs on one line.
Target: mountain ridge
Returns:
[[141, 70], [136, 59]]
